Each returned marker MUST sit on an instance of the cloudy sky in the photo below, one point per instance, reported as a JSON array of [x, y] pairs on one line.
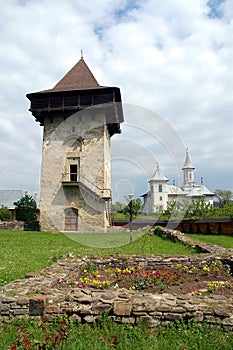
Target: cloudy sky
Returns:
[[172, 59]]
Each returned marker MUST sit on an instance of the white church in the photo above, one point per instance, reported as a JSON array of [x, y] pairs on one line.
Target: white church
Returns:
[[160, 193]]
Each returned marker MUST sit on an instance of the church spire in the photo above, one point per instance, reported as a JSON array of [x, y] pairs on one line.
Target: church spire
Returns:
[[188, 171], [158, 175], [187, 163]]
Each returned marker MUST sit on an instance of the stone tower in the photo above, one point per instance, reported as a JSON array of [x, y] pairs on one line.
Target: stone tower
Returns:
[[79, 117]]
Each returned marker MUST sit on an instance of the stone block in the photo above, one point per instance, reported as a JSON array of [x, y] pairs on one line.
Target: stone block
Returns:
[[198, 316], [128, 320], [122, 308], [221, 311], [85, 309], [4, 308], [21, 311], [172, 316], [164, 308], [90, 318], [227, 321], [23, 301], [179, 309], [101, 307], [36, 306], [149, 321], [52, 309], [75, 318]]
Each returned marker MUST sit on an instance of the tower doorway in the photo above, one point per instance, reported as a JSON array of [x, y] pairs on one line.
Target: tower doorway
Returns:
[[71, 219]]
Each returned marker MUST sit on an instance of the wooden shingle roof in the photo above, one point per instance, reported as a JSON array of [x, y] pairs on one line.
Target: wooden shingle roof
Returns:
[[79, 77]]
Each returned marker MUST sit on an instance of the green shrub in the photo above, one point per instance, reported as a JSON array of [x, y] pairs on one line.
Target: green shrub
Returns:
[[26, 209], [4, 213]]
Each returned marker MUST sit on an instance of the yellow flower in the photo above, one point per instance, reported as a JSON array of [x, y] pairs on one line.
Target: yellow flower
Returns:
[[95, 283], [196, 292], [86, 280], [206, 269], [106, 284], [132, 288], [117, 271]]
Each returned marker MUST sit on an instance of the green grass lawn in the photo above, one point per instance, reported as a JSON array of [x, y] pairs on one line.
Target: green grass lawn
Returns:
[[22, 252], [181, 336], [25, 251], [225, 241]]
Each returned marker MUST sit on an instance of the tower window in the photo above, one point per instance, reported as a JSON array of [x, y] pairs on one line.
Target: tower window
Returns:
[[160, 188], [73, 172], [160, 198]]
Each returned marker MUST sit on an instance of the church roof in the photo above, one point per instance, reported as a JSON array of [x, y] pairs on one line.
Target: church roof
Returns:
[[79, 77], [205, 191], [174, 190], [188, 163], [158, 175], [194, 193]]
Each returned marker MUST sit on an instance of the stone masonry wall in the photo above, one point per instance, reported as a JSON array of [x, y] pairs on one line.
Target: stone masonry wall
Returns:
[[81, 140], [40, 295], [14, 225]]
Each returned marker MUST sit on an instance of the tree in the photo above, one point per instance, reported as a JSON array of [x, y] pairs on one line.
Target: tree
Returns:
[[118, 207], [173, 211], [4, 213], [224, 197], [198, 209], [26, 209], [136, 207]]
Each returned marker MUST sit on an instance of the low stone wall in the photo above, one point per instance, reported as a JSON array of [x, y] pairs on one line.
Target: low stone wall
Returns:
[[12, 225], [40, 295], [176, 235], [86, 305]]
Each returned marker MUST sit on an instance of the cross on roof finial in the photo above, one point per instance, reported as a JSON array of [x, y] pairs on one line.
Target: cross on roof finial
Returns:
[[81, 53]]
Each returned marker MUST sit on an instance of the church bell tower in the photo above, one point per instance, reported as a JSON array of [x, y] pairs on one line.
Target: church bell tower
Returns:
[[78, 117]]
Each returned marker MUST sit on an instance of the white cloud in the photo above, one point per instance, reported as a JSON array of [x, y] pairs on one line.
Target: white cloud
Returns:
[[173, 57]]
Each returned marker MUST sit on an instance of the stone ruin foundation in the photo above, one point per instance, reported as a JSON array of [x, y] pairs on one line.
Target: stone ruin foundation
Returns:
[[38, 295]]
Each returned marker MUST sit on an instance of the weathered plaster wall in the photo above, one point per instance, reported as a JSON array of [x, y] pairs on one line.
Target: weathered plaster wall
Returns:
[[83, 139]]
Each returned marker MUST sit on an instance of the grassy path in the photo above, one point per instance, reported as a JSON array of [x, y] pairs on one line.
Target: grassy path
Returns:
[[225, 241]]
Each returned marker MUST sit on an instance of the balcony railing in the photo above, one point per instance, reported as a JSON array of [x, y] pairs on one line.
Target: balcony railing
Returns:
[[70, 177], [75, 179]]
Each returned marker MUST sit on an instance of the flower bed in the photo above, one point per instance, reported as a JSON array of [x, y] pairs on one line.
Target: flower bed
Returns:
[[212, 277]]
